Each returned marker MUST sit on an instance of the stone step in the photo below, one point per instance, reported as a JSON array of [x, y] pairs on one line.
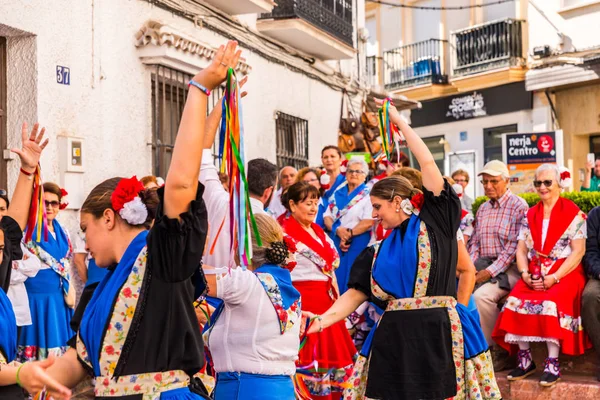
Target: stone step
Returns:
[[584, 364], [571, 386]]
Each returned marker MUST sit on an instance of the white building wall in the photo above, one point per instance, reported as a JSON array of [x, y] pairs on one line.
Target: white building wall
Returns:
[[108, 102]]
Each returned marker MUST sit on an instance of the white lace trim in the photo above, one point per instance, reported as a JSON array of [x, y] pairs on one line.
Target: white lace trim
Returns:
[[514, 339]]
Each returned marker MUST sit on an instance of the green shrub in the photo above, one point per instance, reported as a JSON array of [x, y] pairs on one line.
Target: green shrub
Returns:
[[584, 200]]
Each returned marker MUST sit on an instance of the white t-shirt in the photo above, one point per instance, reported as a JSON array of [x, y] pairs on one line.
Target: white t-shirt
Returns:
[[275, 207], [27, 267], [247, 336]]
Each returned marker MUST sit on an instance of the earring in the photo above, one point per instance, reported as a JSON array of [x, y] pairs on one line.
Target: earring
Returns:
[[397, 210]]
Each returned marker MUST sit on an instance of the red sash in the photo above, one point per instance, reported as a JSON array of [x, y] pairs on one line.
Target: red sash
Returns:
[[296, 231], [562, 215]]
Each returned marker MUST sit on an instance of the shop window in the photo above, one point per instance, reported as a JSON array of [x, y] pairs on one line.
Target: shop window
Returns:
[[169, 91], [492, 141], [292, 141], [595, 146], [435, 144]]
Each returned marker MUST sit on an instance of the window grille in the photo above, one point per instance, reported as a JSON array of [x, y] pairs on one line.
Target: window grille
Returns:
[[169, 91], [292, 141]]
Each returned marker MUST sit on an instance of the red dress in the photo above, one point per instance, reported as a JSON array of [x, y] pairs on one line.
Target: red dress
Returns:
[[555, 314], [327, 359]]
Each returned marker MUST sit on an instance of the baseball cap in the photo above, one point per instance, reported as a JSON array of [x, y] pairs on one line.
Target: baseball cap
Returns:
[[494, 168]]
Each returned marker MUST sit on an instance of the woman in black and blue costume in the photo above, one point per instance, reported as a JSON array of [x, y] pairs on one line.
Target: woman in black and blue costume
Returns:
[[426, 345], [11, 233], [139, 336]]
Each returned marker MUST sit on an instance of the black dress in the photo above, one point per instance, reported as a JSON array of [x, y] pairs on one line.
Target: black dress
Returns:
[[12, 252], [411, 356], [164, 334]]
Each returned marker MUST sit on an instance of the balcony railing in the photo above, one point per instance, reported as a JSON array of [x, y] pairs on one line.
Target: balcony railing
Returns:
[[331, 16], [488, 46], [415, 64]]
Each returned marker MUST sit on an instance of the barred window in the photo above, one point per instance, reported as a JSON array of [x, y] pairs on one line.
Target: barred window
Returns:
[[292, 141], [169, 91]]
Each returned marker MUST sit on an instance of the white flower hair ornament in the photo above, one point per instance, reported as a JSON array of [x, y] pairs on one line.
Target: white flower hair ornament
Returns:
[[407, 206], [565, 178], [325, 180], [127, 202]]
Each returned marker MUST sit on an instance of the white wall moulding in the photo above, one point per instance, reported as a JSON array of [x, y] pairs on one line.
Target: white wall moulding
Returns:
[[162, 44], [235, 7]]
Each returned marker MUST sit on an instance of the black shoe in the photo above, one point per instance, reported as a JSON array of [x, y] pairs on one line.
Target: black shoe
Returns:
[[519, 373], [549, 379], [501, 360]]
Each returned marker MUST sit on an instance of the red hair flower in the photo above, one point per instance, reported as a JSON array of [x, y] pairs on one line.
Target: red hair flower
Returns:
[[63, 201], [127, 202], [417, 201], [344, 166], [290, 243], [325, 180], [565, 175]]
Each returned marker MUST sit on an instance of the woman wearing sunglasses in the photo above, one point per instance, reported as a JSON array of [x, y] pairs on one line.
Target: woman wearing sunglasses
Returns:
[[545, 305], [51, 296]]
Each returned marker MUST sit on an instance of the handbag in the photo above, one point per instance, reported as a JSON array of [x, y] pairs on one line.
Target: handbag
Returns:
[[350, 136]]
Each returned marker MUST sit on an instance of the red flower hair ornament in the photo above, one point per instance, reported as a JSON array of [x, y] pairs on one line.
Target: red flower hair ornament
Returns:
[[325, 180], [63, 201], [565, 178], [127, 202]]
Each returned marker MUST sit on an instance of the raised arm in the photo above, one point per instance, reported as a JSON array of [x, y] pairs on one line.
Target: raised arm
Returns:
[[432, 177], [29, 155], [182, 180]]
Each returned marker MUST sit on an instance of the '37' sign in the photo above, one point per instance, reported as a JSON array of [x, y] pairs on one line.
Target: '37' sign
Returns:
[[63, 75]]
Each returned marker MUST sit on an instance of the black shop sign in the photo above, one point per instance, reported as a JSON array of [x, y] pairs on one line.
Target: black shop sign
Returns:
[[481, 103]]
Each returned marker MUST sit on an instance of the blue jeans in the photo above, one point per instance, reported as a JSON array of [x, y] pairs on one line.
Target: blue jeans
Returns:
[[243, 386]]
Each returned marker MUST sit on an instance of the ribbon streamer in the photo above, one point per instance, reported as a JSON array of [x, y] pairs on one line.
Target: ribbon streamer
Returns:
[[37, 212], [242, 223], [391, 137]]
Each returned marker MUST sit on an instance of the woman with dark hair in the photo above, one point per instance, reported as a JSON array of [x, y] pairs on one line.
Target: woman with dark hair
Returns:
[[139, 335], [11, 233], [254, 340], [331, 157], [328, 356], [422, 347], [4, 203], [51, 295]]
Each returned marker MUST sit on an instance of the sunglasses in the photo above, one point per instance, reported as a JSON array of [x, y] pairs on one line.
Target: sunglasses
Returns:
[[311, 180], [546, 183], [494, 182], [54, 203]]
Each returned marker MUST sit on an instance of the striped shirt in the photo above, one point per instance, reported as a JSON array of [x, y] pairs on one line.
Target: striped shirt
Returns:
[[497, 227]]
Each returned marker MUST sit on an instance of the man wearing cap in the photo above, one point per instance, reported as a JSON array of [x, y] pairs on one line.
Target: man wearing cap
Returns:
[[493, 246]]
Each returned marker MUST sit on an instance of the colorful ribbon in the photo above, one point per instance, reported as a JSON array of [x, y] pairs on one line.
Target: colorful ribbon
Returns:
[[231, 153], [37, 212], [391, 137]]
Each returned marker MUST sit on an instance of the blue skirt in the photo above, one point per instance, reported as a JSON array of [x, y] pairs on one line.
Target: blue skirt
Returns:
[[180, 394], [342, 274], [243, 386], [475, 342], [50, 319]]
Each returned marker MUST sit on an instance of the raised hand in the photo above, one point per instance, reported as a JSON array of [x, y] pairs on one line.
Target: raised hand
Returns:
[[227, 57], [31, 148]]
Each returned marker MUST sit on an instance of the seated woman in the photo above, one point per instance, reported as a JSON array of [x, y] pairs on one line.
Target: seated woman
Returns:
[[348, 218], [329, 354], [420, 346], [255, 339], [139, 334], [545, 305], [11, 233]]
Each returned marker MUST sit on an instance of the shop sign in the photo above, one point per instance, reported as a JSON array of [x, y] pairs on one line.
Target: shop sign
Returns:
[[524, 152], [481, 103]]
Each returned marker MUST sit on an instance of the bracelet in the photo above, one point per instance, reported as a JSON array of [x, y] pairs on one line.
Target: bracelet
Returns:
[[556, 280], [27, 173], [19, 370], [199, 86], [522, 271], [351, 234]]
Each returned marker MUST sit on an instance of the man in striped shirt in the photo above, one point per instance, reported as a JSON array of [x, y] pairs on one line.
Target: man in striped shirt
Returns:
[[493, 247]]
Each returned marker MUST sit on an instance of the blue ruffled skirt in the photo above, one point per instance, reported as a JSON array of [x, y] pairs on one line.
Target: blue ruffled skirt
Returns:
[[243, 386], [50, 319]]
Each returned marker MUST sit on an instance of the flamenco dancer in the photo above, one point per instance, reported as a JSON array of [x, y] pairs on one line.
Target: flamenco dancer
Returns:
[[139, 335], [425, 346]]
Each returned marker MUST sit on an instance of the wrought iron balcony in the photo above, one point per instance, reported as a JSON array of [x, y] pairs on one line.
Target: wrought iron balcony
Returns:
[[331, 16], [486, 47], [416, 64]]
